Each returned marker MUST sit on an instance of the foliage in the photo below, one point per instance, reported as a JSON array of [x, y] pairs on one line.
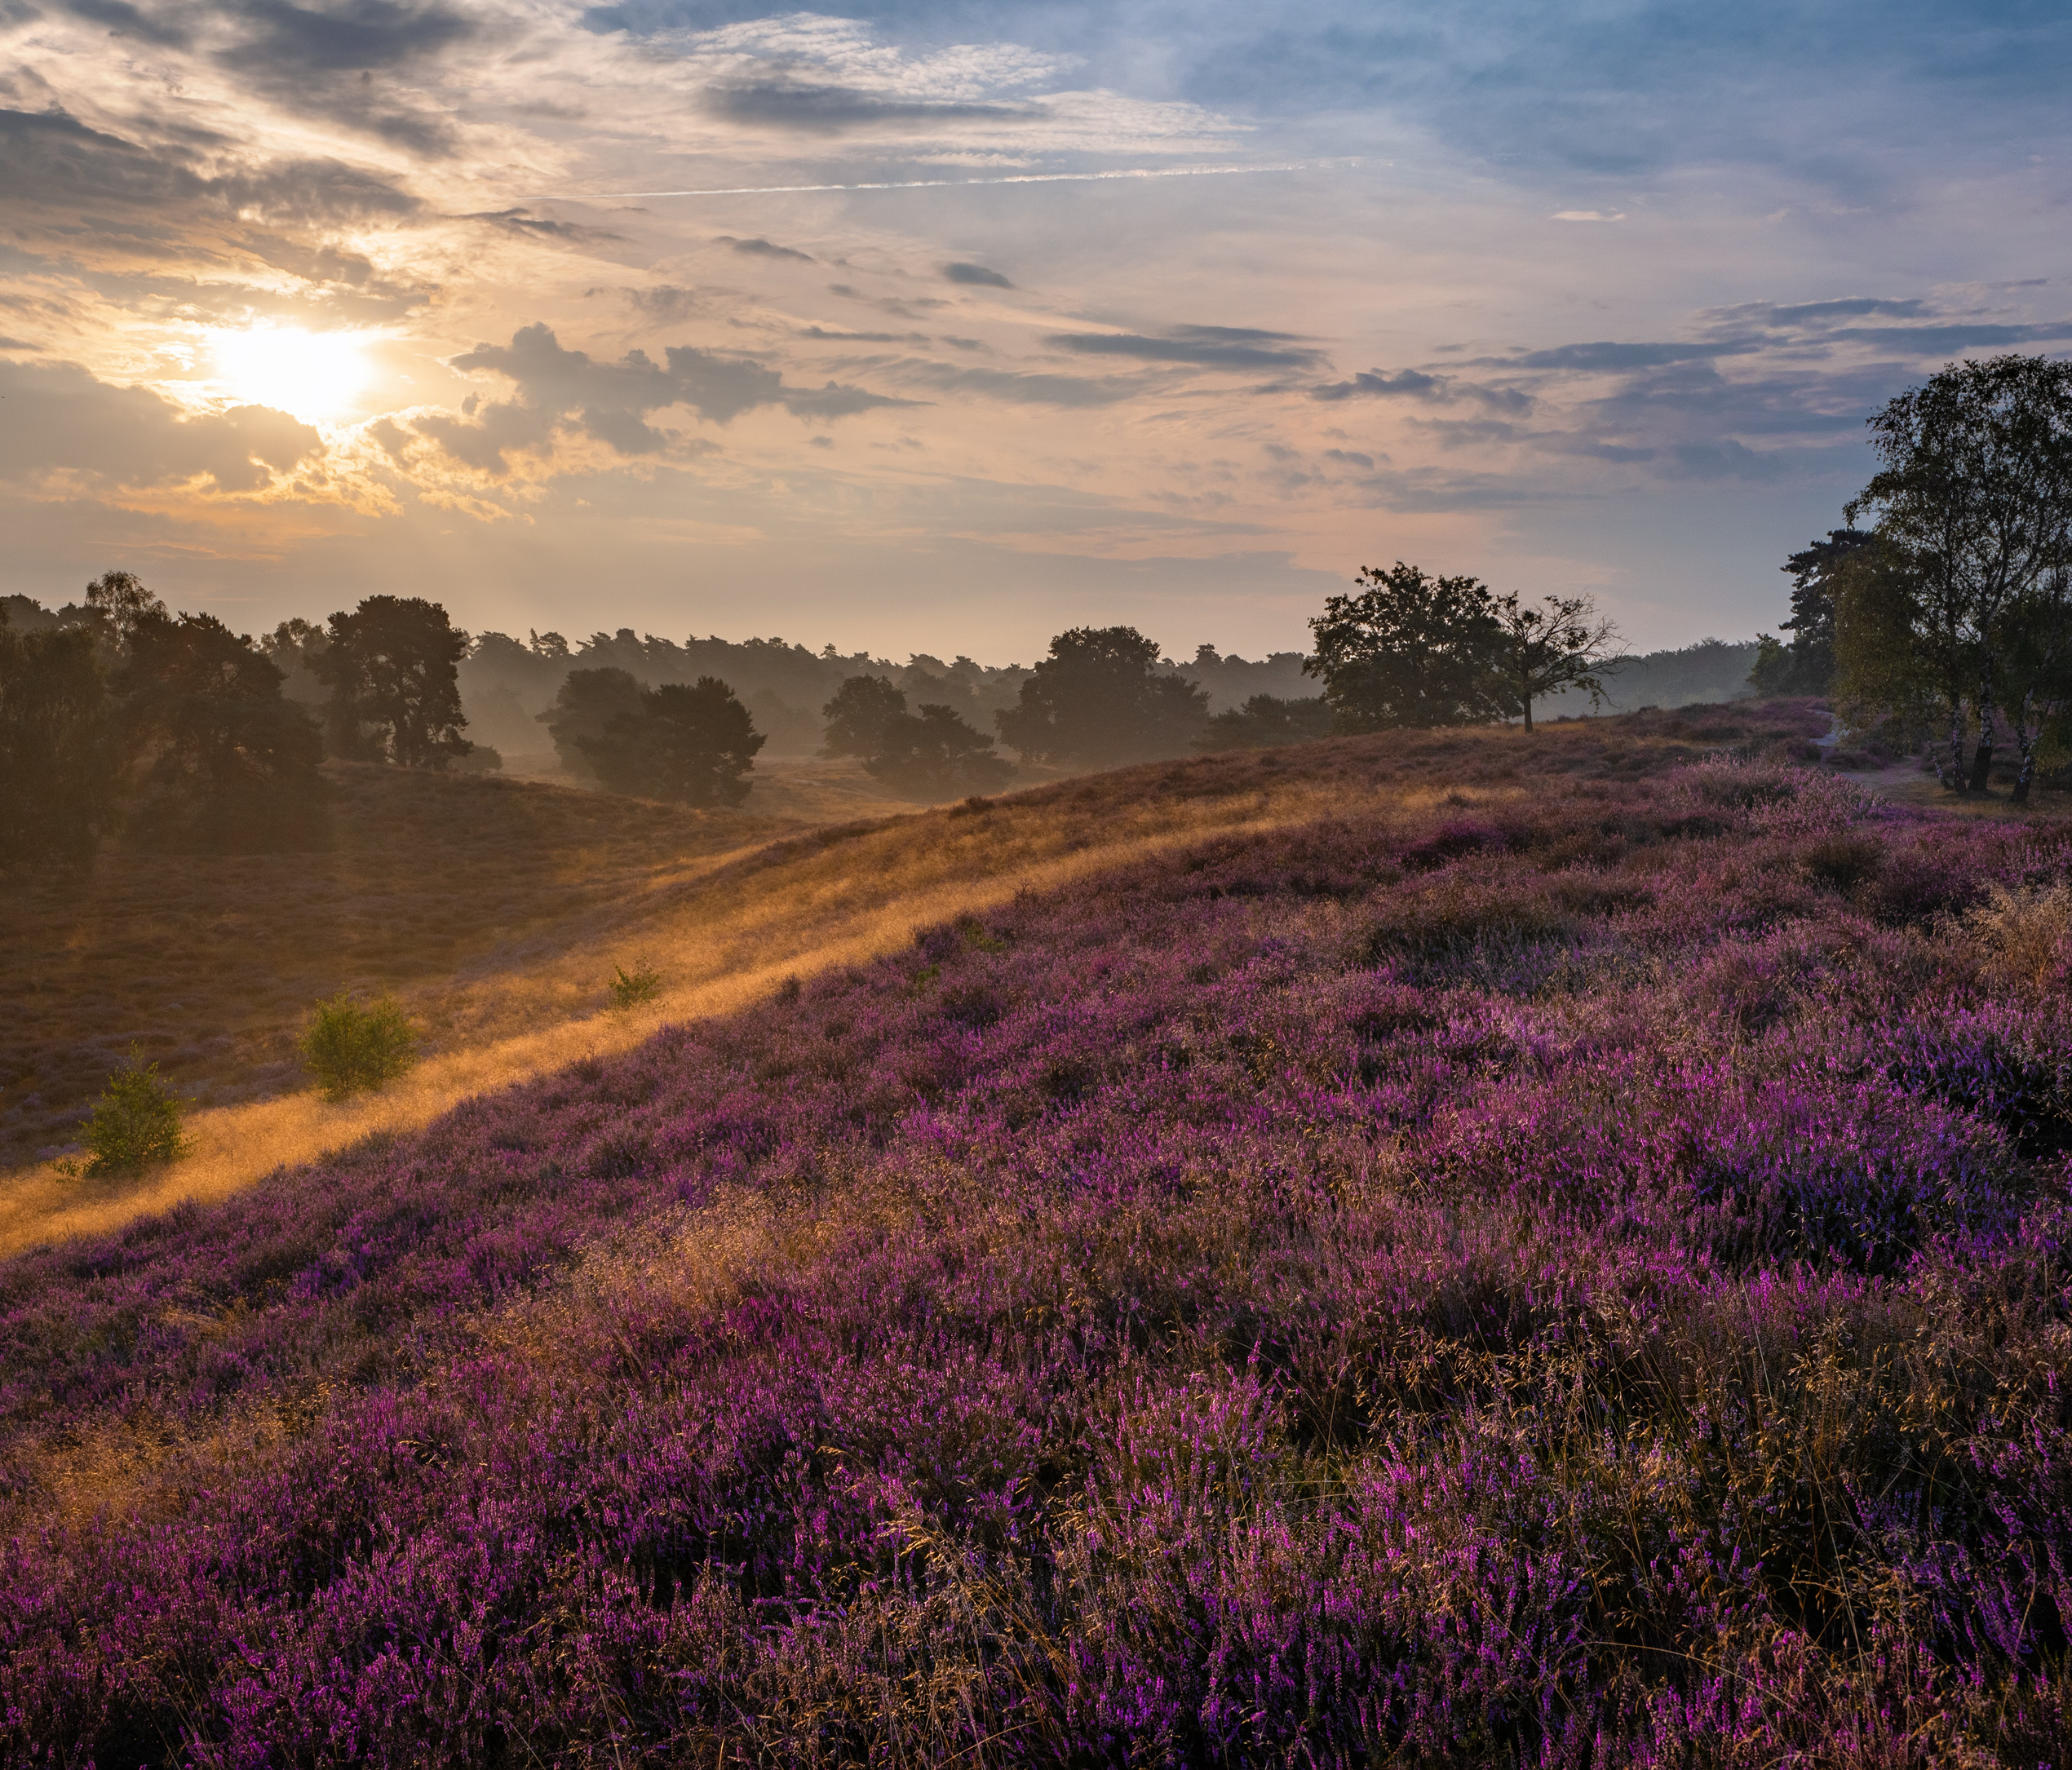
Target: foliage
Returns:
[[391, 669], [1566, 645], [858, 715], [630, 988], [1576, 1277], [1973, 503], [1807, 665], [1265, 721], [693, 743], [584, 707], [1408, 649], [352, 1048], [1099, 699], [224, 762], [933, 755], [135, 1123], [61, 757]]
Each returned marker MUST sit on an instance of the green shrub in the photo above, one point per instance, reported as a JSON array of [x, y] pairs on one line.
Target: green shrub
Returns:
[[135, 1122], [348, 1046], [630, 988]]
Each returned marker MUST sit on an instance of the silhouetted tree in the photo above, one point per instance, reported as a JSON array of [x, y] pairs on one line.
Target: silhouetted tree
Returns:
[[1806, 666], [1409, 649], [61, 760], [1536, 651], [584, 707], [858, 714], [222, 760], [1101, 698], [116, 601], [1266, 721], [1973, 504], [392, 666], [695, 744]]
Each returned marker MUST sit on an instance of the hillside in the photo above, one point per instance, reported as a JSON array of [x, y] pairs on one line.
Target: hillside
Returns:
[[496, 912], [1550, 1253]]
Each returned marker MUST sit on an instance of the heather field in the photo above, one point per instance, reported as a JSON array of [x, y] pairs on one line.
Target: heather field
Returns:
[[1571, 1265]]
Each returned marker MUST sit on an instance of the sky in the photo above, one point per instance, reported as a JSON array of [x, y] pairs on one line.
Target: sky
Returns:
[[943, 325]]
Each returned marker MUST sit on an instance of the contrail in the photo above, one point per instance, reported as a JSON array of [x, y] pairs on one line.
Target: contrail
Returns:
[[1019, 178]]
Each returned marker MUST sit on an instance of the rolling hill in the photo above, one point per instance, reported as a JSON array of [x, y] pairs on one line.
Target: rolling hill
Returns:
[[1440, 1248]]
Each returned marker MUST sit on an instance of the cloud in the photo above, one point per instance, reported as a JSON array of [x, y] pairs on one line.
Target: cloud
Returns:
[[1207, 347], [1585, 215], [1591, 358], [761, 247], [519, 221], [52, 159], [1019, 388], [975, 273], [667, 303], [61, 418], [611, 401], [1414, 384], [808, 108], [1941, 340]]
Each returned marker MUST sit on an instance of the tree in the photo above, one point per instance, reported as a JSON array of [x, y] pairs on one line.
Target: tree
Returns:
[[1265, 721], [224, 762], [1100, 698], [1974, 502], [584, 707], [60, 762], [116, 602], [1409, 649], [858, 714], [1542, 651], [393, 668], [1807, 665], [2036, 659], [694, 744]]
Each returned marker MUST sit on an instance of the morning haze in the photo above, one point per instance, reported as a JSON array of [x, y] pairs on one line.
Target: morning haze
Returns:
[[1014, 884]]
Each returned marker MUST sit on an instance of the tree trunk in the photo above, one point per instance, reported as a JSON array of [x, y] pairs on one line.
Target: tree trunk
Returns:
[[1982, 757], [2026, 743], [1953, 778]]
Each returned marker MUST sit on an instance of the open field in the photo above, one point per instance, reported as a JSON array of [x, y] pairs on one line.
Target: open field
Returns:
[[1548, 1254], [495, 911]]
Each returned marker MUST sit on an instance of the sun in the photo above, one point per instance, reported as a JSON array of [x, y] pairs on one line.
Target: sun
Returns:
[[314, 376]]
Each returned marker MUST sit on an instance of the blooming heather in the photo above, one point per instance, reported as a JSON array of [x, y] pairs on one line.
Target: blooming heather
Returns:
[[1575, 1278]]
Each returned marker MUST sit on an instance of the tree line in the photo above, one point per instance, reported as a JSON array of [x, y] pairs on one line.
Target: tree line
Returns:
[[1948, 615], [115, 710]]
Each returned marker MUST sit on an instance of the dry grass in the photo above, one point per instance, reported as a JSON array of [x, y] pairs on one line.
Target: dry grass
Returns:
[[496, 910]]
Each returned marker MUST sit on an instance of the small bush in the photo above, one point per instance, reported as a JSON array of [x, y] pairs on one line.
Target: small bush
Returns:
[[137, 1121], [630, 988], [349, 1048]]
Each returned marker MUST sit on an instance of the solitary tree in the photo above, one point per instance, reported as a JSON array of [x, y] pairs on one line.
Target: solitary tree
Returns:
[[1536, 652], [694, 743], [584, 707], [1973, 503], [393, 668], [60, 757], [116, 602], [1101, 698], [1409, 649], [223, 761]]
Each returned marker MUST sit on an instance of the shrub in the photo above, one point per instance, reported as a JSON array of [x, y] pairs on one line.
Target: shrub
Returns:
[[349, 1048], [137, 1121], [630, 988]]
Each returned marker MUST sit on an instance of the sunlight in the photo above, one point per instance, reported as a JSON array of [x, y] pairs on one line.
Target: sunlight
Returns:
[[315, 376]]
